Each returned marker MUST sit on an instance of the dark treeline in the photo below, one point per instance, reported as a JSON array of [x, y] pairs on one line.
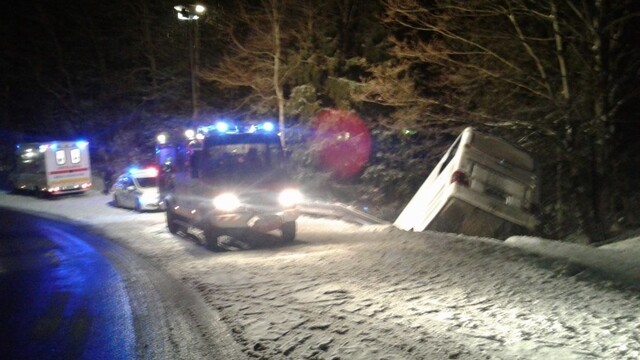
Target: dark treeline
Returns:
[[559, 77]]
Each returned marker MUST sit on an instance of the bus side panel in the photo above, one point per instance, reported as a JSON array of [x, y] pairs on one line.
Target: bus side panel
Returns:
[[460, 217], [433, 193]]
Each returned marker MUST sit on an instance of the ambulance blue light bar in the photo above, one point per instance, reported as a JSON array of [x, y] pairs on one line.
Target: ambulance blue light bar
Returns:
[[82, 144]]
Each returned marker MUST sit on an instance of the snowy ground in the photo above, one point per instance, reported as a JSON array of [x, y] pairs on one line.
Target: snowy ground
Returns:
[[345, 291]]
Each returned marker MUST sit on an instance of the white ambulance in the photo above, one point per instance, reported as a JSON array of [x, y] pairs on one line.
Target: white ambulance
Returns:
[[52, 168]]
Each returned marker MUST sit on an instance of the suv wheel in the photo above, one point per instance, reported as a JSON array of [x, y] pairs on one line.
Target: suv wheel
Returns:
[[172, 225], [211, 235], [288, 231]]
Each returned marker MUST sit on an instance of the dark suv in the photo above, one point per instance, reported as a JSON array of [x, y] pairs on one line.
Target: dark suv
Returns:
[[228, 181]]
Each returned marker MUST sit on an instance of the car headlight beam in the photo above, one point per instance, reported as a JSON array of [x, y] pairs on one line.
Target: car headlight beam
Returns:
[[226, 202], [290, 197]]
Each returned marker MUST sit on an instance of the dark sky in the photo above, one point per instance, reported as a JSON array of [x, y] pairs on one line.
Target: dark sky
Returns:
[[62, 60]]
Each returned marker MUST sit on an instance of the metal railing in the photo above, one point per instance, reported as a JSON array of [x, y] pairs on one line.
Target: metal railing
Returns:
[[340, 211]]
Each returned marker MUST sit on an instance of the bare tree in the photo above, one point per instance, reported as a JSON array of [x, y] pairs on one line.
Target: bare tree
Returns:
[[554, 71], [254, 58], [275, 46]]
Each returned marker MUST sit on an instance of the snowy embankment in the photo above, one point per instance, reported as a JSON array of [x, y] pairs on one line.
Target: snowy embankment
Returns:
[[618, 261], [344, 291]]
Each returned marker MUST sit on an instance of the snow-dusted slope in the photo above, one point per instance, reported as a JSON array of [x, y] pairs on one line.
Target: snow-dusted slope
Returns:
[[344, 291]]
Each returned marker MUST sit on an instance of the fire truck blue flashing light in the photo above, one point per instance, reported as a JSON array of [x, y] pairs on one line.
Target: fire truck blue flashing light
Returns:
[[268, 126], [82, 144], [264, 127], [222, 126]]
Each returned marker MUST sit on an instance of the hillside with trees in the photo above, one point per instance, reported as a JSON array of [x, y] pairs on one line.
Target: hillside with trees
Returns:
[[558, 77]]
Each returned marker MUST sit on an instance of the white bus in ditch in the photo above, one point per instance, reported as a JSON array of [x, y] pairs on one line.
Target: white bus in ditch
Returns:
[[482, 186], [52, 168]]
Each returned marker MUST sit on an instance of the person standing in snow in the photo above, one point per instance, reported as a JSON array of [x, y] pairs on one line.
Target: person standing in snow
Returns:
[[108, 179]]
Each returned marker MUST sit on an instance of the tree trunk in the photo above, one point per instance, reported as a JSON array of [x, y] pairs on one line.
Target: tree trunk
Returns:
[[277, 54], [150, 49]]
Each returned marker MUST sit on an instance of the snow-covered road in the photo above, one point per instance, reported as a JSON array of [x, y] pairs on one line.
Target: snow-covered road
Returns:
[[344, 291]]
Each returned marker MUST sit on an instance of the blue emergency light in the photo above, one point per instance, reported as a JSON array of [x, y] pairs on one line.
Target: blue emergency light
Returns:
[[225, 127], [268, 126], [82, 144], [150, 171], [222, 126]]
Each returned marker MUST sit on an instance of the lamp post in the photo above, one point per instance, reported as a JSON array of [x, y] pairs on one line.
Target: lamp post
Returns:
[[192, 13]]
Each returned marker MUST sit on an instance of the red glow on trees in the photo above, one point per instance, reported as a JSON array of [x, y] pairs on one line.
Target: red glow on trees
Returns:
[[341, 143]]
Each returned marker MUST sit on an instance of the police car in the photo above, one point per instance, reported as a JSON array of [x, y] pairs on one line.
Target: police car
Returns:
[[138, 189]]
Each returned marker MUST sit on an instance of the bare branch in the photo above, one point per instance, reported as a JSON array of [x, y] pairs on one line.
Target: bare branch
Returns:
[[529, 50]]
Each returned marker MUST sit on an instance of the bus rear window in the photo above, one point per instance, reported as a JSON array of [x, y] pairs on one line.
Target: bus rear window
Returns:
[[501, 149]]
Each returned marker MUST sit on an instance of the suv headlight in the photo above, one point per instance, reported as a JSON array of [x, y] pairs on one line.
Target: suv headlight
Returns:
[[290, 197], [226, 202]]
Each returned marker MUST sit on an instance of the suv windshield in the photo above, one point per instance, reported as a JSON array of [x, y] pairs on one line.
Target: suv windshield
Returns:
[[241, 159]]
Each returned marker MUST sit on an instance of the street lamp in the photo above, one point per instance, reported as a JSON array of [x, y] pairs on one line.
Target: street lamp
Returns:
[[192, 13]]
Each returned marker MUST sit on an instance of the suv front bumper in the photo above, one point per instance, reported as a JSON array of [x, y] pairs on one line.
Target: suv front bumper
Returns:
[[261, 222]]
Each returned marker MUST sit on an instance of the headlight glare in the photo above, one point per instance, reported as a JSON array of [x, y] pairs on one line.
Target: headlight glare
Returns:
[[290, 197], [149, 196], [226, 202]]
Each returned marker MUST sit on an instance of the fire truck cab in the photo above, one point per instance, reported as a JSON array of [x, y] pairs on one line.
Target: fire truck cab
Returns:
[[227, 180], [52, 168]]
